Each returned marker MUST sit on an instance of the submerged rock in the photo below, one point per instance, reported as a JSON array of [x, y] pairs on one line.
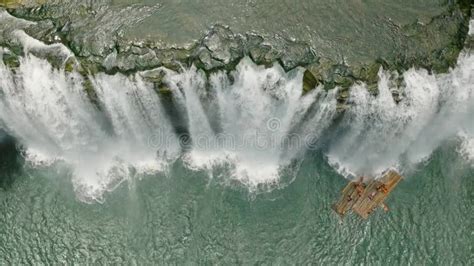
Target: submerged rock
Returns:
[[156, 77]]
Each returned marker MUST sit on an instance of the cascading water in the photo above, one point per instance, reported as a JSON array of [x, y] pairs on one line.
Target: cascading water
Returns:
[[377, 133], [48, 110], [255, 122], [255, 115]]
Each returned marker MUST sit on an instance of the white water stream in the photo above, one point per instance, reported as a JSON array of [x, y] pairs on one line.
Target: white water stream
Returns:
[[255, 123]]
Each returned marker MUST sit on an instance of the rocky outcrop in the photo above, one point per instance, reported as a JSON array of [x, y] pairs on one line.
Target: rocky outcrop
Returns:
[[434, 46]]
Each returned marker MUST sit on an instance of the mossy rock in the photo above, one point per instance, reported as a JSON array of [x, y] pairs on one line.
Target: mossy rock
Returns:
[[321, 69], [166, 96], [258, 53], [154, 75], [297, 54], [70, 64], [343, 95], [173, 65], [367, 72], [11, 60], [444, 59], [90, 92], [338, 75], [87, 67], [164, 90], [329, 85], [309, 81], [205, 60], [343, 81]]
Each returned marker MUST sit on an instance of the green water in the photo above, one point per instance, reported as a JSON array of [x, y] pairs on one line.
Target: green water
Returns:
[[187, 218], [343, 31], [336, 29], [184, 216]]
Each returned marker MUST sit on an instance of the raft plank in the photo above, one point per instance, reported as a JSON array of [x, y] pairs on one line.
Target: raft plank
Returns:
[[370, 199], [363, 200], [391, 180], [349, 196], [375, 193]]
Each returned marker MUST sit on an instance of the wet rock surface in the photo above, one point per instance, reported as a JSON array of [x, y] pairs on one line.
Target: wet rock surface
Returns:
[[433, 45]]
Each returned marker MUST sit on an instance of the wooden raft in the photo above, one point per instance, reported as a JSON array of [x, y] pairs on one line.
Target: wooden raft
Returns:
[[363, 199]]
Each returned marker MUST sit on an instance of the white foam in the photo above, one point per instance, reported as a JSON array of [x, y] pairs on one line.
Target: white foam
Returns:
[[9, 20], [378, 133], [242, 122], [471, 27], [254, 114], [467, 146], [50, 113], [29, 43]]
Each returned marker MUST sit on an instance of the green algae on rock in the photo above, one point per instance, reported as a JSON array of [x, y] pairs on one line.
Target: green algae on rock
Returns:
[[10, 59], [309, 81]]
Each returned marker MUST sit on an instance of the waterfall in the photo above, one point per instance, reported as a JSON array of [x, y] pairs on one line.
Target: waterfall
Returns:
[[49, 112], [254, 115], [377, 133], [252, 123]]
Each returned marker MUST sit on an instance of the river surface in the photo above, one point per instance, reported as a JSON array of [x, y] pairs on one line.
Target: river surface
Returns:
[[241, 166], [184, 218], [335, 28]]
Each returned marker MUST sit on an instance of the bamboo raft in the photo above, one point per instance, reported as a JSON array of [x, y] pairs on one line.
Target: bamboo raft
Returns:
[[364, 198]]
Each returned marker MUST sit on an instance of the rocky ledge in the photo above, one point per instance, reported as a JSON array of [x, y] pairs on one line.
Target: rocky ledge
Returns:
[[434, 46]]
